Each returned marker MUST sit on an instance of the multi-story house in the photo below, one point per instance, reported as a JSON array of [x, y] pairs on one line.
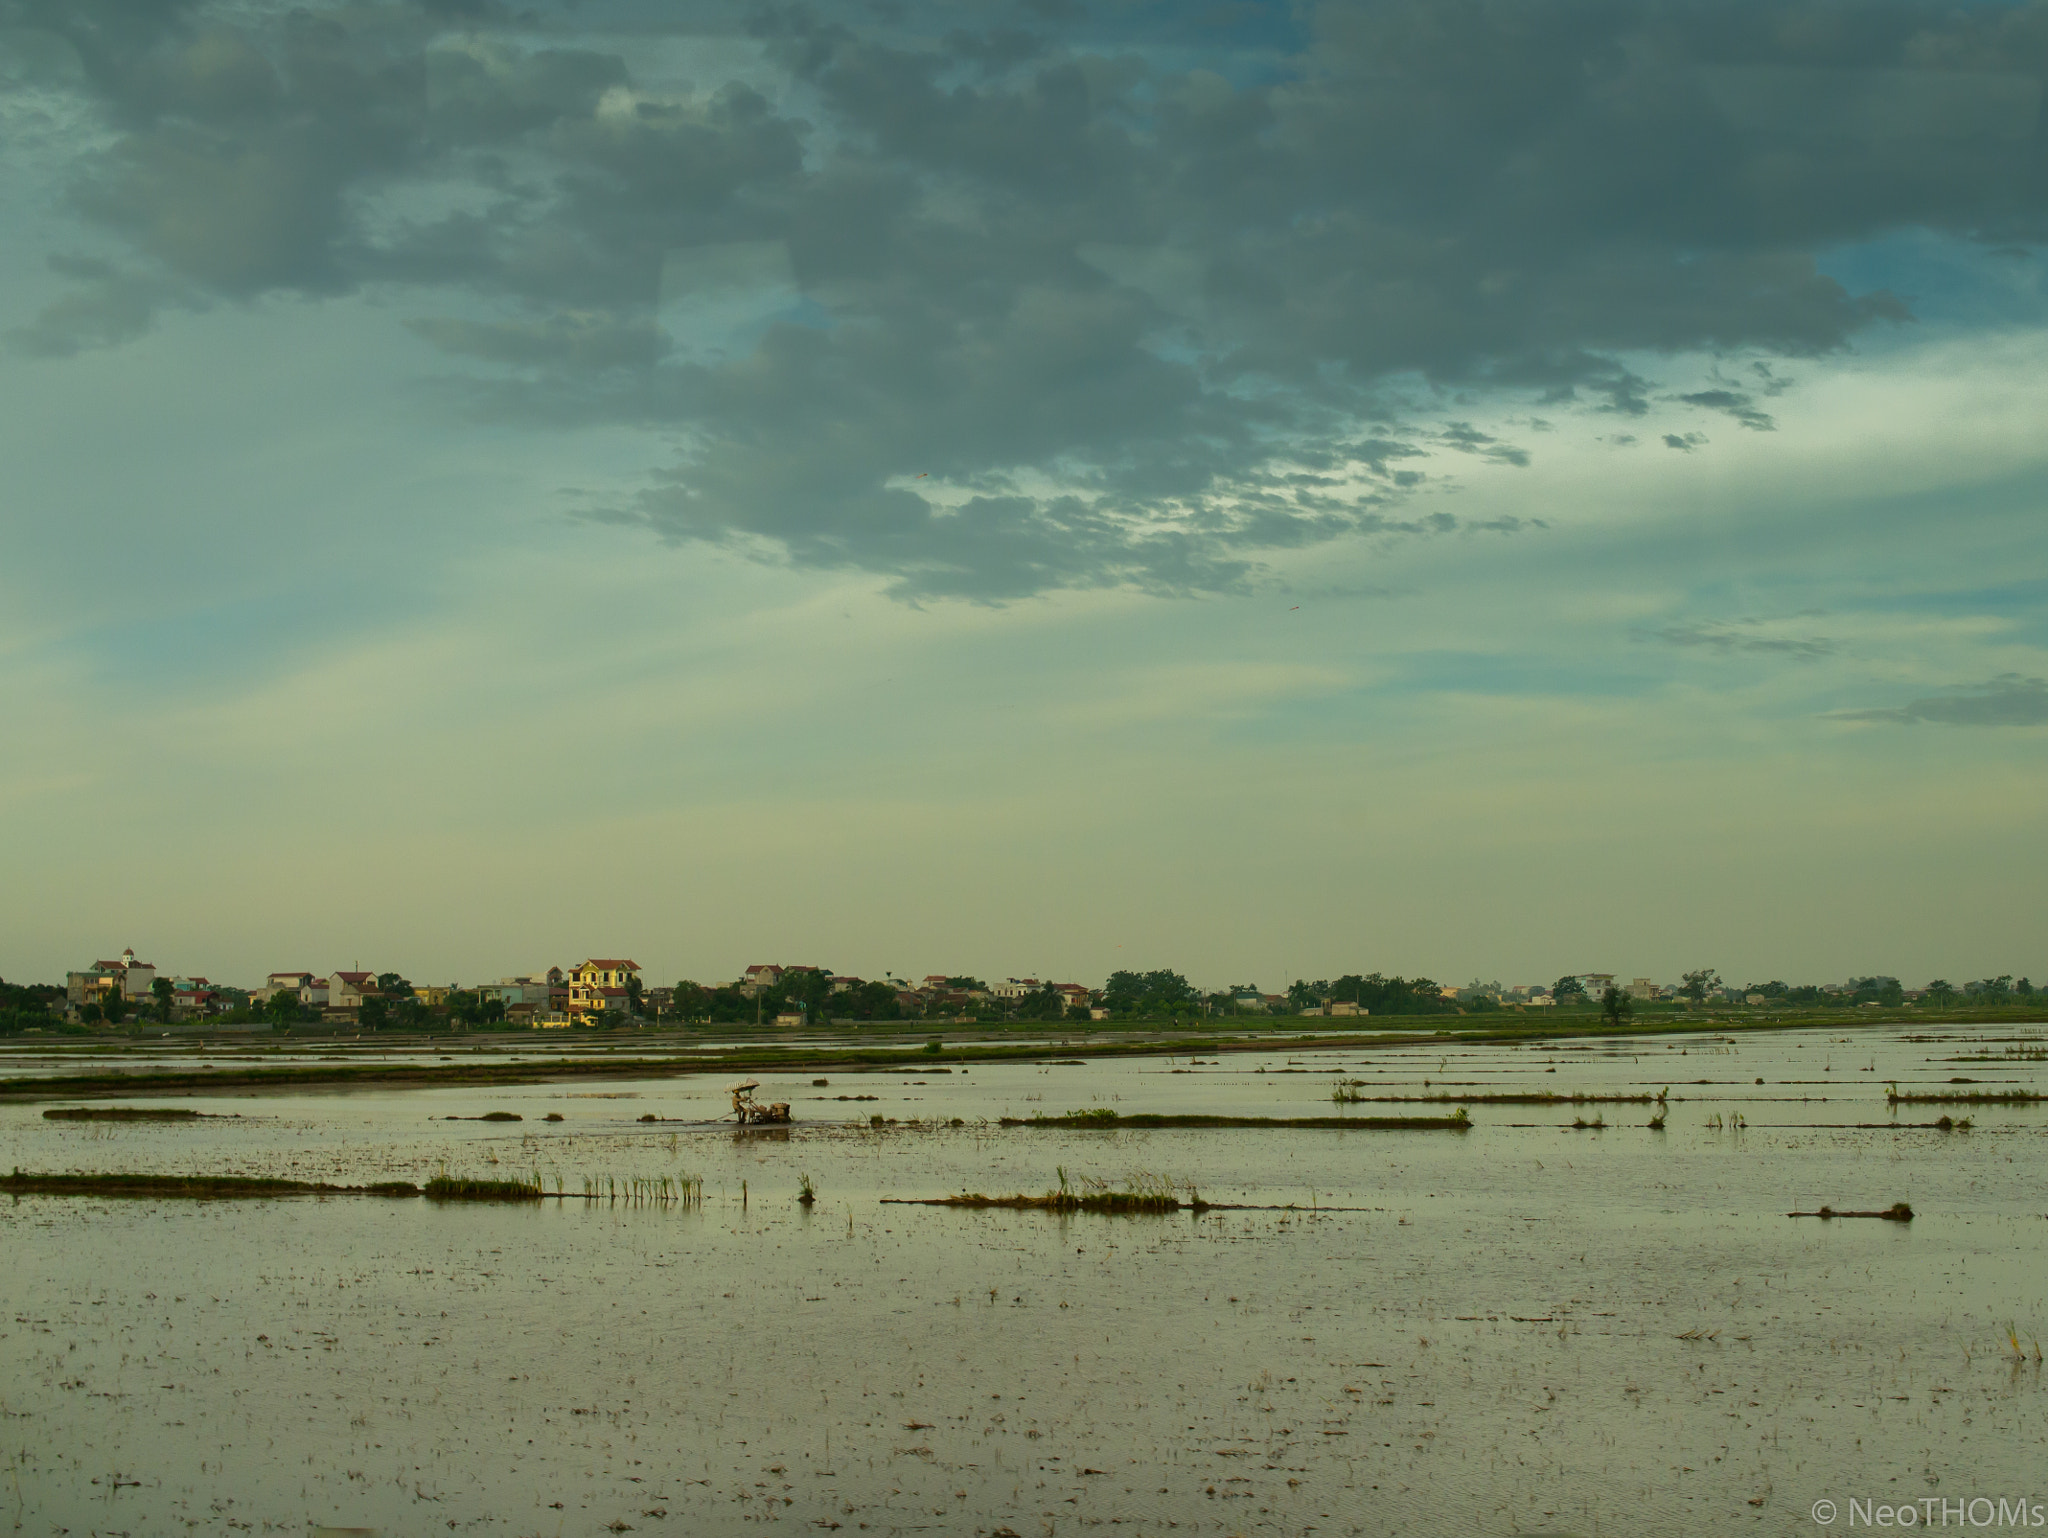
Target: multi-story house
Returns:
[[310, 988], [127, 979], [602, 984], [347, 990]]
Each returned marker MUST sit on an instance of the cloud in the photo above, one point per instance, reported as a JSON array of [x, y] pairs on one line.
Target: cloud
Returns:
[[1736, 404], [2007, 700], [1742, 636], [107, 308], [1131, 292]]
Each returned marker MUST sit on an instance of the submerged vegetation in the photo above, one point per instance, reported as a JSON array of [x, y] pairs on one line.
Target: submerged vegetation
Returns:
[[1347, 1092], [1459, 1120], [201, 1187], [1142, 1192], [1893, 1095], [632, 1190], [123, 1113], [1897, 1212]]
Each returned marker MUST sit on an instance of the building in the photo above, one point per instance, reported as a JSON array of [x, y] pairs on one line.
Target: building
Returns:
[[128, 979], [347, 990], [311, 989], [1643, 988], [194, 995], [1016, 988], [759, 979], [602, 984]]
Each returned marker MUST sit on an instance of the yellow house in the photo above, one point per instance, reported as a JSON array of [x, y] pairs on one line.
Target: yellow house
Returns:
[[602, 985]]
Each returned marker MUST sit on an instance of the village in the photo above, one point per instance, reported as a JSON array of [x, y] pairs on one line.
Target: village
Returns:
[[609, 992]]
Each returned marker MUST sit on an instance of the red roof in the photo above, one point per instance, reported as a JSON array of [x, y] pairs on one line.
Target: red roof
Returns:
[[609, 964]]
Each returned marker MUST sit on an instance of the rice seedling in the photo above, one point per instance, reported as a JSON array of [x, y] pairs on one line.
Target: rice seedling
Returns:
[[636, 1190], [806, 1193], [446, 1188]]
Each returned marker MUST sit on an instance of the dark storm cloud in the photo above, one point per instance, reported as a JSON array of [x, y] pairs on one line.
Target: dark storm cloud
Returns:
[[1145, 290], [2007, 700]]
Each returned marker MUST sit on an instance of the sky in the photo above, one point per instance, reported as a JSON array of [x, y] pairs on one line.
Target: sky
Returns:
[[1445, 487]]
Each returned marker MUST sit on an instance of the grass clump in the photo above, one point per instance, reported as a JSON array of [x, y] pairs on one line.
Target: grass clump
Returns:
[[446, 1188]]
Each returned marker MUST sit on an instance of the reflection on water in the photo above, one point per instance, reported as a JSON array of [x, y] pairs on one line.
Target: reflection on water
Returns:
[[1529, 1328]]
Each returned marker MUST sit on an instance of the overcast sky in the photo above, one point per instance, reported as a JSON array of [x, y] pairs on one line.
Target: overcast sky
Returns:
[[1268, 490]]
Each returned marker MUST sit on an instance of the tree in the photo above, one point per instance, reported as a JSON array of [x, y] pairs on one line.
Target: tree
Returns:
[[1044, 1003], [1697, 985], [692, 1000], [1302, 995], [1616, 1005], [1876, 990], [1941, 991], [373, 1013], [161, 990], [1160, 992], [91, 1014], [1567, 987], [391, 984], [113, 1007], [636, 992], [282, 1006], [967, 984], [868, 1001]]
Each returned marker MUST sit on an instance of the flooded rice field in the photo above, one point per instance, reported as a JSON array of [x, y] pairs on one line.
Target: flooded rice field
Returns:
[[1561, 1320]]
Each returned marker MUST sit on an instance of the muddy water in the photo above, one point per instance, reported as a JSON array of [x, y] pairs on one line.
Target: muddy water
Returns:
[[1523, 1328]]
